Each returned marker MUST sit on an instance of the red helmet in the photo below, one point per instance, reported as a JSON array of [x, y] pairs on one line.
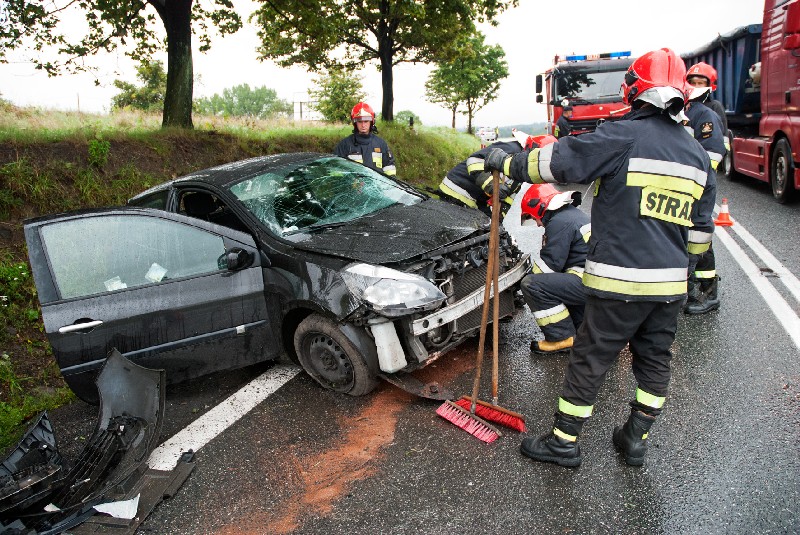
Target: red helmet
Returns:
[[540, 140], [535, 201], [703, 70], [362, 110], [659, 68]]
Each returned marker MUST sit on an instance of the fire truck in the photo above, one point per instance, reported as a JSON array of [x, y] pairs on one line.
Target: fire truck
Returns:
[[759, 86], [589, 83]]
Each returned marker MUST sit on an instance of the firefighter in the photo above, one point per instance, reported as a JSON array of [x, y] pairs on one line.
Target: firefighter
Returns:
[[363, 145], [704, 75], [554, 289], [467, 184], [563, 127], [651, 215], [706, 128]]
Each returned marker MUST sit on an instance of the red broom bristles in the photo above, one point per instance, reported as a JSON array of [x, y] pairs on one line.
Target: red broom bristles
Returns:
[[494, 414], [468, 422]]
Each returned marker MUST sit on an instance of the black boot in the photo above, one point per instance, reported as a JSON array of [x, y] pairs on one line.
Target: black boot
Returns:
[[631, 438], [706, 298], [553, 447]]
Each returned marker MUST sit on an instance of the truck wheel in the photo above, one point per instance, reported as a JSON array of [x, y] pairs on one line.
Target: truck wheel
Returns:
[[331, 359], [782, 171], [727, 162]]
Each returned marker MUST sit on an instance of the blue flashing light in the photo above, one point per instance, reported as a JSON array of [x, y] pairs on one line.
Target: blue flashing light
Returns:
[[606, 55]]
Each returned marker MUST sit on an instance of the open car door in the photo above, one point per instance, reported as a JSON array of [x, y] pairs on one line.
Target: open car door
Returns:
[[168, 291]]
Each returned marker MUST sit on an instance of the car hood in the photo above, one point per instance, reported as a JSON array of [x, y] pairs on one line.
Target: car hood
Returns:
[[397, 233]]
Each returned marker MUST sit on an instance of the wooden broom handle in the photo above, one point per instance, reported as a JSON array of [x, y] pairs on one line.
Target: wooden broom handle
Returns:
[[494, 234]]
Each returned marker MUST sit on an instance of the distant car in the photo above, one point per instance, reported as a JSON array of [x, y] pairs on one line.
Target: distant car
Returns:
[[347, 271], [487, 134]]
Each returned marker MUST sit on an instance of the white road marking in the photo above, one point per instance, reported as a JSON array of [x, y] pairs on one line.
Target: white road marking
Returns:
[[784, 313], [204, 429]]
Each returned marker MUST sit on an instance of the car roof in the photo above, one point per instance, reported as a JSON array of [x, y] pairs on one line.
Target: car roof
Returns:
[[229, 173]]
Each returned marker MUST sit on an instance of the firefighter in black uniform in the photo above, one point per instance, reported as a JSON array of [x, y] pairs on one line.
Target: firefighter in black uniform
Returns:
[[554, 289], [467, 184], [706, 127], [651, 215], [363, 145], [563, 127], [704, 75]]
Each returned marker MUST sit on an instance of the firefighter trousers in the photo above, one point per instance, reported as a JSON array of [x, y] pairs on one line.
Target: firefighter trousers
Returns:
[[608, 325], [557, 301], [706, 269]]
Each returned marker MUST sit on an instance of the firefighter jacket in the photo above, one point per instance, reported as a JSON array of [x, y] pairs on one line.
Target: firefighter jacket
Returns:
[[654, 194], [563, 128], [460, 181], [370, 150], [704, 124], [565, 243]]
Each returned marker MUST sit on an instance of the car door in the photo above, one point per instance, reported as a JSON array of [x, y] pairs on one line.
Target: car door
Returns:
[[166, 290]]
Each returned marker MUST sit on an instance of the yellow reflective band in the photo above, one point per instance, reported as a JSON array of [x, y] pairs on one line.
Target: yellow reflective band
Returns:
[[539, 266], [581, 411], [469, 201], [710, 274], [697, 248], [644, 437], [648, 399], [551, 315], [474, 165], [559, 433], [509, 200], [507, 166], [633, 288], [486, 183], [671, 183], [572, 271], [533, 167], [714, 165], [597, 186], [391, 170], [667, 205]]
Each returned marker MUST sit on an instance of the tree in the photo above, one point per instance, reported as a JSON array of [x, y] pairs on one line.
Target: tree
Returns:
[[241, 101], [322, 34], [472, 80], [403, 117], [148, 97], [336, 94], [112, 24]]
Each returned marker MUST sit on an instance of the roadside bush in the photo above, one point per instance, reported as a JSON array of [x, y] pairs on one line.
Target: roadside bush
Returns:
[[98, 152]]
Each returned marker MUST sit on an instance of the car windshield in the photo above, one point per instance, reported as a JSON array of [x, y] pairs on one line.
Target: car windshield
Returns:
[[323, 192], [590, 87]]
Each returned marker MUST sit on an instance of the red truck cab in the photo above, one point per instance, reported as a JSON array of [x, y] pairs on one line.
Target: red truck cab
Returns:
[[588, 83]]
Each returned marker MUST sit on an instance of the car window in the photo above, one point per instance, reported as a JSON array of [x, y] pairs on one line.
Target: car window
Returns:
[[321, 192], [107, 253], [156, 200]]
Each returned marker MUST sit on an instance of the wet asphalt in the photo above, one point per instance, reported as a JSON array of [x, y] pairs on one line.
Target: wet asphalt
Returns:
[[724, 456]]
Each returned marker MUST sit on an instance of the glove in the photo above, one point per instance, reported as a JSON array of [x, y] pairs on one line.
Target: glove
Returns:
[[484, 181], [494, 160]]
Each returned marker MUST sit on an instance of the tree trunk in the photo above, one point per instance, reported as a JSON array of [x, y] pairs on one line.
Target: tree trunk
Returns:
[[177, 18], [454, 117], [470, 112], [387, 108]]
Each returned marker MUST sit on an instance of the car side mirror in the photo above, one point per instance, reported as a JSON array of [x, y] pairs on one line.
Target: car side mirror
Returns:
[[539, 99], [539, 84], [235, 259]]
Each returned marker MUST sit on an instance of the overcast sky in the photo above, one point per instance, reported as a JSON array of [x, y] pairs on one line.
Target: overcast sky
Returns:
[[531, 35]]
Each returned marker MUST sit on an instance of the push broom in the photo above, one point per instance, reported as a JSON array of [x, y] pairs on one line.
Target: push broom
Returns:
[[470, 413]]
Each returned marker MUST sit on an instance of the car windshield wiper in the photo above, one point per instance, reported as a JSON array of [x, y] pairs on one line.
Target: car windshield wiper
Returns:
[[317, 227]]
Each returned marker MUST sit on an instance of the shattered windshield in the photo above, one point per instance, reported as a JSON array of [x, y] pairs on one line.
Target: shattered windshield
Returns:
[[317, 194], [580, 86]]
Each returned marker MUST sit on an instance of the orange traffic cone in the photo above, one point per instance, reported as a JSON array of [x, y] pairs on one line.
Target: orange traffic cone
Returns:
[[724, 217]]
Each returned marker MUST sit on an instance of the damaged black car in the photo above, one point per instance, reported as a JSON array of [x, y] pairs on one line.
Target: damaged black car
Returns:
[[349, 272]]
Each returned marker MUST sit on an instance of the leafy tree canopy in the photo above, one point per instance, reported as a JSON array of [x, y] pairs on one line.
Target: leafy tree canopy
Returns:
[[147, 97], [470, 81], [323, 34], [33, 26], [242, 101], [402, 117], [336, 94]]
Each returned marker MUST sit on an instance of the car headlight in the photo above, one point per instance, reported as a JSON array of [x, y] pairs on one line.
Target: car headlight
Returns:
[[390, 292]]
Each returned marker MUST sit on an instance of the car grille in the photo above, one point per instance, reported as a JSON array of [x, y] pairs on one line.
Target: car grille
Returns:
[[470, 281]]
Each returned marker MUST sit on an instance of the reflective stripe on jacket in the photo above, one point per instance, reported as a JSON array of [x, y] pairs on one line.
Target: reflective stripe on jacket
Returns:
[[464, 174], [565, 244], [655, 186]]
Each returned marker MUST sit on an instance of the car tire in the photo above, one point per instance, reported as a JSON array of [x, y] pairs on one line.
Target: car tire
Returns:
[[782, 172], [331, 359]]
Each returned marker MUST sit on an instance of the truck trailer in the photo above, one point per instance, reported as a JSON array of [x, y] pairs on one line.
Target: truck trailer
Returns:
[[758, 68]]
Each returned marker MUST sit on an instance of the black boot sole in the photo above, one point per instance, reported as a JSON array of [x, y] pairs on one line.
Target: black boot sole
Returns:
[[569, 462], [629, 459]]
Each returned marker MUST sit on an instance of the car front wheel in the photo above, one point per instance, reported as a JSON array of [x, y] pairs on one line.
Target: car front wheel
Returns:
[[329, 357]]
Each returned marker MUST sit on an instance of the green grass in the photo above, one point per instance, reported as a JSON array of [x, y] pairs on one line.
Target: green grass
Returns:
[[54, 161]]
